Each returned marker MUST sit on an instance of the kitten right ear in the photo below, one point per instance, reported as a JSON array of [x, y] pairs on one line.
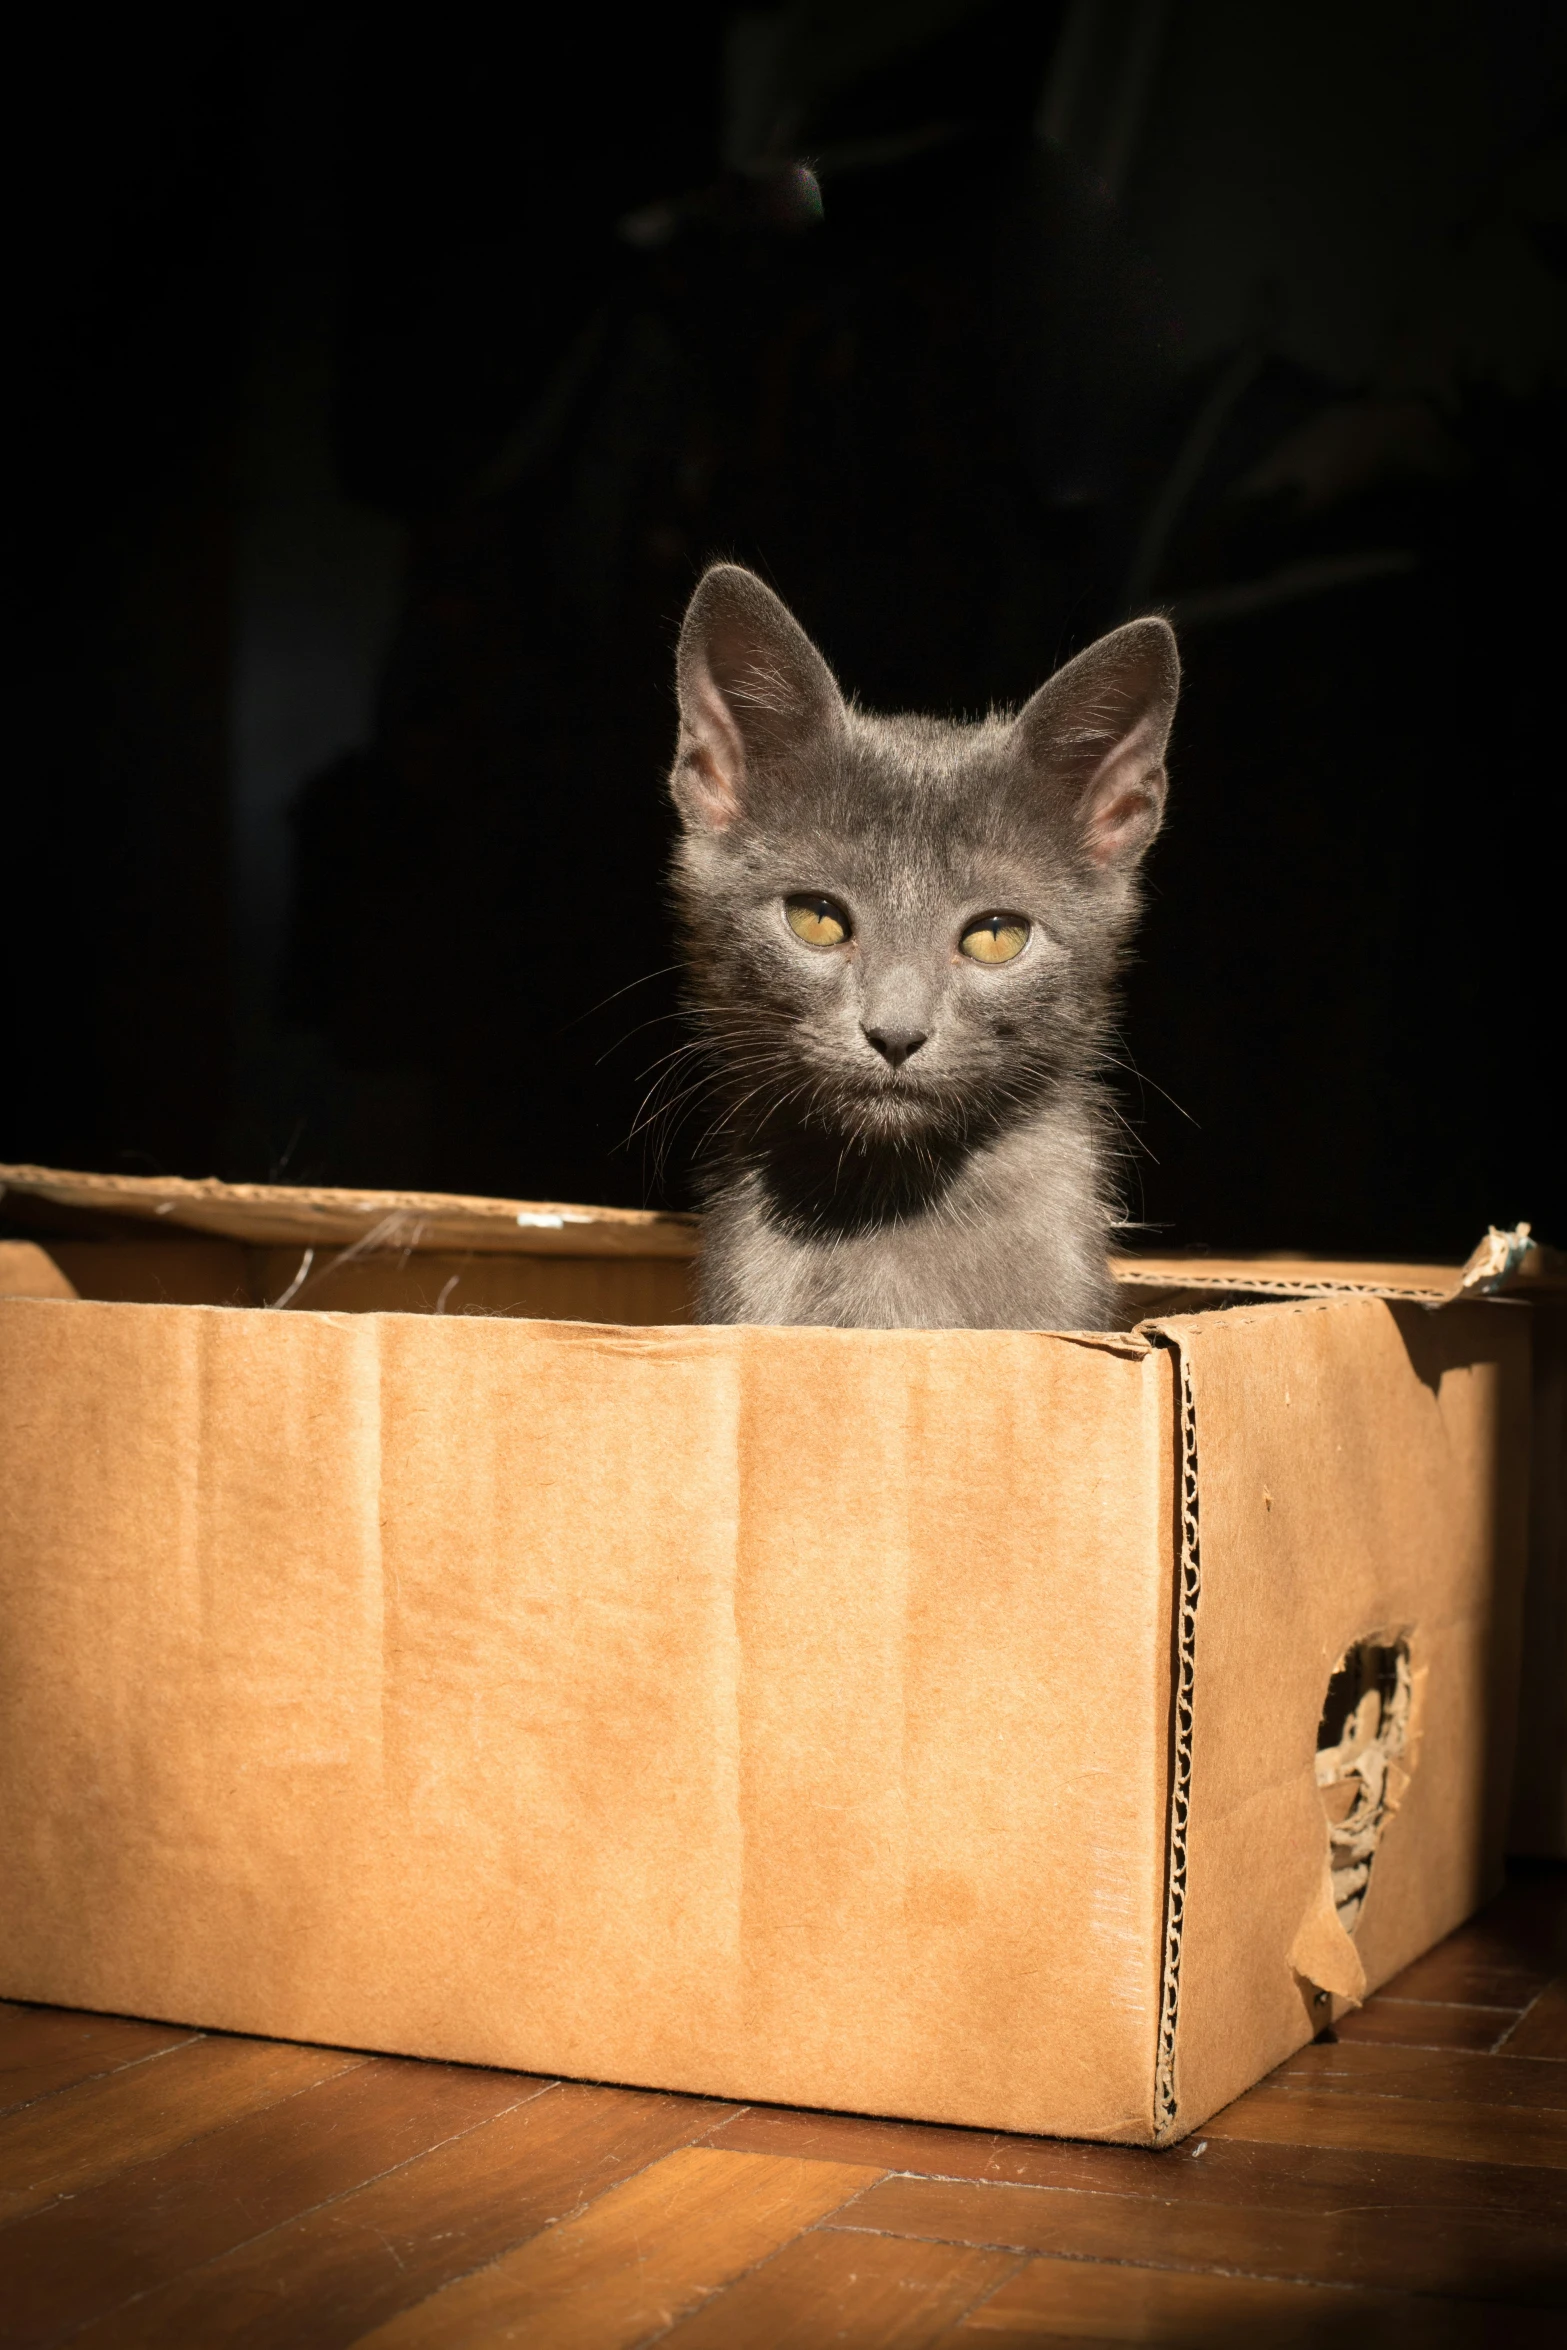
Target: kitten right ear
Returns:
[[1096, 735], [753, 691]]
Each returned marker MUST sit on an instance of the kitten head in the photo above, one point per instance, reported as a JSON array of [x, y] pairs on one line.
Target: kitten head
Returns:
[[901, 932]]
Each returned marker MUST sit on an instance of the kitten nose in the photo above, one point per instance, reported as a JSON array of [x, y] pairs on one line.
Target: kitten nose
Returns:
[[895, 1045]]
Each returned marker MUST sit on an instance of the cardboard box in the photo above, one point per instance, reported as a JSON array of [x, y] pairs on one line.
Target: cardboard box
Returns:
[[915, 1722]]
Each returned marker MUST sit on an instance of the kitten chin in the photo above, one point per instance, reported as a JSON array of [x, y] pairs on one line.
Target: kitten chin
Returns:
[[822, 1185], [901, 939]]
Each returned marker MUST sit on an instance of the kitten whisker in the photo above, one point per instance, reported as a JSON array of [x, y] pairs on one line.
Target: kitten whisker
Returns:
[[663, 972], [1132, 1070], [655, 1022]]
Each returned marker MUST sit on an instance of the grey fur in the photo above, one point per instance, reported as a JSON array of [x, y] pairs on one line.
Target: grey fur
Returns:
[[966, 1187]]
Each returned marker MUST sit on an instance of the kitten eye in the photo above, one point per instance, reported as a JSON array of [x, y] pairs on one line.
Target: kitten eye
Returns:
[[821, 922], [995, 938]]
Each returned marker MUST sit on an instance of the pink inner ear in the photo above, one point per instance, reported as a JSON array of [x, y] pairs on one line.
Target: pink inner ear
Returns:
[[712, 753], [1124, 796], [1114, 826]]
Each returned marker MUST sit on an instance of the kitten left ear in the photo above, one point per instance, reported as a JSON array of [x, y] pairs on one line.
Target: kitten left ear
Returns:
[[1096, 735], [754, 695]]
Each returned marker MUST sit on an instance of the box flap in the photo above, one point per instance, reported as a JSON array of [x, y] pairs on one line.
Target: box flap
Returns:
[[312, 1215], [408, 1222], [1512, 1263]]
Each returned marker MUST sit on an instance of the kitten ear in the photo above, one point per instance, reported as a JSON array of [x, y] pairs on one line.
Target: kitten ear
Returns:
[[753, 690], [1096, 734]]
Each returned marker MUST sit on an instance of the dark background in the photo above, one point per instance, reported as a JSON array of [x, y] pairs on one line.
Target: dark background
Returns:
[[384, 384]]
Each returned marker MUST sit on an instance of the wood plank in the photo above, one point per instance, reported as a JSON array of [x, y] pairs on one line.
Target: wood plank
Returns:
[[43, 2049], [933, 2149], [90, 2253], [1201, 2169], [1490, 1963], [1439, 2075], [88, 2132], [1391, 2177], [1077, 2301], [872, 2291], [1421, 2023], [1397, 2125], [327, 2277], [1474, 2255], [636, 2259], [1542, 2031]]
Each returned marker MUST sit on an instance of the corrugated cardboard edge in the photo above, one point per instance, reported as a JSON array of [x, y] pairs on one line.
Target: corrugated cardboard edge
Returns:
[[366, 1220], [1188, 1591], [1505, 1262]]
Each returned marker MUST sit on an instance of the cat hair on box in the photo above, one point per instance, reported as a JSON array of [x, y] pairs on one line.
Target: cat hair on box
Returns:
[[901, 937]]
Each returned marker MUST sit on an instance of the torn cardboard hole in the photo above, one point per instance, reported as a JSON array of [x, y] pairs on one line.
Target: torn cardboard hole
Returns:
[[1361, 1747]]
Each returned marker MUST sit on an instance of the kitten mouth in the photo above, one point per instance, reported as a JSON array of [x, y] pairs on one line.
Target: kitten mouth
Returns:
[[896, 1106]]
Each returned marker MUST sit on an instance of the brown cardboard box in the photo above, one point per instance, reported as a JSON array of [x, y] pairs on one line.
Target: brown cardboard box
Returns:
[[919, 1722]]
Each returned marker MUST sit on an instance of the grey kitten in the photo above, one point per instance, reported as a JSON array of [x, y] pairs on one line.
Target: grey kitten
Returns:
[[901, 935]]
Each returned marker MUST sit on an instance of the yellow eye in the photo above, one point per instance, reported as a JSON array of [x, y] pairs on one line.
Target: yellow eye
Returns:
[[995, 938], [819, 921]]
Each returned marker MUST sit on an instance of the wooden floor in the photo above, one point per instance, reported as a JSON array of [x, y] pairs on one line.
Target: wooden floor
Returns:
[[1406, 2184]]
